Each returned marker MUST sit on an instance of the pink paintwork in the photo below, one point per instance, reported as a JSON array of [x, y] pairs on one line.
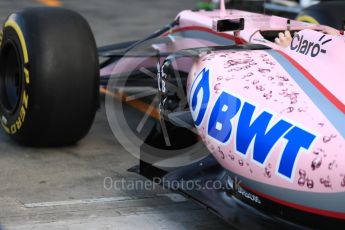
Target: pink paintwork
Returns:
[[257, 77], [301, 84]]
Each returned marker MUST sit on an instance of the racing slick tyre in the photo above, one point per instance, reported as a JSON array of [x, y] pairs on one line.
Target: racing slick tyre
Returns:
[[325, 13], [49, 77]]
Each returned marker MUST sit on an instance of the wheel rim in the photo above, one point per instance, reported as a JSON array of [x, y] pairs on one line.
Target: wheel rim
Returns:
[[11, 77]]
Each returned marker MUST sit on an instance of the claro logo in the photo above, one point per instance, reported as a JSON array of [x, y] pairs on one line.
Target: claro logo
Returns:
[[303, 46]]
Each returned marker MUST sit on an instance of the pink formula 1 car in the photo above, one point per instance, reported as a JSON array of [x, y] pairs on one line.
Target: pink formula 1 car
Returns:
[[272, 117]]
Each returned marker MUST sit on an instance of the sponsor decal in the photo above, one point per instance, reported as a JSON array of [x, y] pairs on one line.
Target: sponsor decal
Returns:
[[303, 46], [252, 129], [200, 96], [248, 195], [235, 185]]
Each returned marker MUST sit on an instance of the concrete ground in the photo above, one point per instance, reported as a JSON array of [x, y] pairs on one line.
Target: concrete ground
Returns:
[[63, 188]]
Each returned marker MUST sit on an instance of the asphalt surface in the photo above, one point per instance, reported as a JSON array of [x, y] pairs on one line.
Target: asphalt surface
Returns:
[[63, 188]]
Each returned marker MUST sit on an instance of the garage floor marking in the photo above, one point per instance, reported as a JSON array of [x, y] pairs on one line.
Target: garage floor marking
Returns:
[[77, 202], [174, 197]]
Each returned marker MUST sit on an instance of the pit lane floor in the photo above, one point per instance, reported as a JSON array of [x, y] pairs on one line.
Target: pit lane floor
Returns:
[[63, 188]]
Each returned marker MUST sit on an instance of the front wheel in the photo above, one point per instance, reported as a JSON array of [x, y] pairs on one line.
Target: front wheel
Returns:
[[49, 77]]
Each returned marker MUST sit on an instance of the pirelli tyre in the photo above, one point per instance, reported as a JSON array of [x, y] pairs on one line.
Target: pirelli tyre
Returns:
[[49, 77], [330, 13]]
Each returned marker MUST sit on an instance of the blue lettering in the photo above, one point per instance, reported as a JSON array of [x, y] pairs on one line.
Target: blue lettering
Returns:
[[264, 139], [249, 130], [200, 97], [297, 139], [223, 111]]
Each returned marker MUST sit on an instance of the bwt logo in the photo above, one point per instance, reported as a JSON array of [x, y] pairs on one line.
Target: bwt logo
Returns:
[[303, 46], [200, 96], [255, 131]]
